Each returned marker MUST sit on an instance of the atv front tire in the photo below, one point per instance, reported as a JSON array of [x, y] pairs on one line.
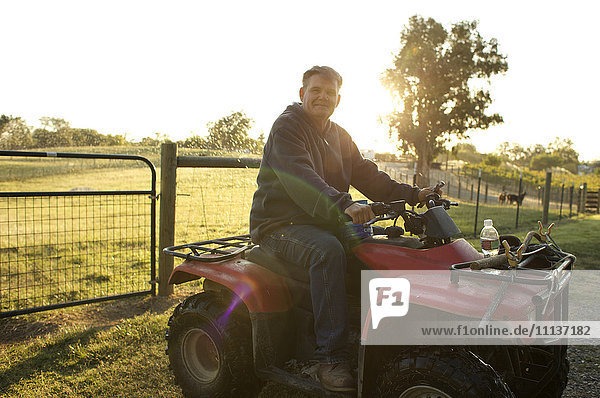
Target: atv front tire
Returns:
[[210, 351], [439, 372]]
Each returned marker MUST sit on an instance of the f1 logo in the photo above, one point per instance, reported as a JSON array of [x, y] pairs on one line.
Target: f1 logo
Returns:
[[388, 297]]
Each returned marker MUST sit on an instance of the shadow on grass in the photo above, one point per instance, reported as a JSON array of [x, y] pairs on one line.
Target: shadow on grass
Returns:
[[20, 329], [60, 356]]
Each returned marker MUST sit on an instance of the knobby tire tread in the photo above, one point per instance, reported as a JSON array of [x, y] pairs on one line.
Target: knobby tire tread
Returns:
[[234, 341]]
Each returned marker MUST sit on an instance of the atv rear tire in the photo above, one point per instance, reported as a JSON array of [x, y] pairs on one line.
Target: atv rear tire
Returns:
[[534, 364], [210, 351], [439, 372], [559, 380]]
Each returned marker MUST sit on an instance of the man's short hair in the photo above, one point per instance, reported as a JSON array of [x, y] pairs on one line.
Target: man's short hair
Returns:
[[326, 71]]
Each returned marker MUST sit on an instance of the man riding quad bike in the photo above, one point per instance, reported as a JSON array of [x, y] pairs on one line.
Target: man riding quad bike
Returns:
[[252, 321], [292, 296]]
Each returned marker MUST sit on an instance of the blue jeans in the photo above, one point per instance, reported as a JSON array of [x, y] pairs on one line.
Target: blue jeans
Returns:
[[324, 256]]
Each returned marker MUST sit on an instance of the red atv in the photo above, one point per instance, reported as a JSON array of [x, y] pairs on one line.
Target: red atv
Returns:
[[252, 321]]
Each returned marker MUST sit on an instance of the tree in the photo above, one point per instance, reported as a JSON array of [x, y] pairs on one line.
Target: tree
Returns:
[[492, 160], [544, 161], [158, 139], [4, 121], [534, 150], [513, 152], [195, 142], [55, 132], [14, 133], [434, 78], [255, 145], [54, 123], [49, 139], [86, 137], [559, 153], [568, 155], [230, 133], [466, 152], [114, 140]]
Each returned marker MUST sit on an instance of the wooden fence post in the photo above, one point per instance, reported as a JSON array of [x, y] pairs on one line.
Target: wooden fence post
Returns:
[[477, 205], [486, 193], [168, 190], [584, 197], [546, 203], [571, 189], [518, 201], [562, 196]]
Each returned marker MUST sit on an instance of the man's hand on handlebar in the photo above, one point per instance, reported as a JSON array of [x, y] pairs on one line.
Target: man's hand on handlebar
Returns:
[[432, 196], [360, 213], [428, 193], [425, 193]]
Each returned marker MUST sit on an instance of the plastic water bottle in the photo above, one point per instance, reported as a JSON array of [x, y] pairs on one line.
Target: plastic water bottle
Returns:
[[490, 240]]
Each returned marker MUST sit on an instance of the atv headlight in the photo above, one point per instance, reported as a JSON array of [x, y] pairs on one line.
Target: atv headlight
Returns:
[[532, 315]]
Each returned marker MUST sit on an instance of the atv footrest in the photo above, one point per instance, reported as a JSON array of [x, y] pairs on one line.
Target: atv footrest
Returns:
[[301, 383]]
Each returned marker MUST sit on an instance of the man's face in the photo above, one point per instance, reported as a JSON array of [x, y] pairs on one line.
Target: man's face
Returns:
[[320, 97]]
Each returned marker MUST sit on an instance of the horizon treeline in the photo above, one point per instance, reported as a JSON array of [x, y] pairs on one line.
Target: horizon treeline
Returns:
[[228, 133]]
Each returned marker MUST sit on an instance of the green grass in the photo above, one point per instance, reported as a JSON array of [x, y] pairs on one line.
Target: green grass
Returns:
[[124, 360], [20, 168], [76, 355], [63, 249], [117, 348], [578, 236]]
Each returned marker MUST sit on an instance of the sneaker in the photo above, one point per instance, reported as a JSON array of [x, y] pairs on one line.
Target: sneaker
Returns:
[[336, 377]]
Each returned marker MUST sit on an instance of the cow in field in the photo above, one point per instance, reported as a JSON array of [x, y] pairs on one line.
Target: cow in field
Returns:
[[502, 198], [512, 198]]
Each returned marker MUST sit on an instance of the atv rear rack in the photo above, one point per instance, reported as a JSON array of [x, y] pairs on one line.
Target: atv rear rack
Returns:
[[212, 251]]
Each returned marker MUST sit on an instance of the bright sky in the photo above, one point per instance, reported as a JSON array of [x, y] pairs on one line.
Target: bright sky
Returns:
[[140, 67]]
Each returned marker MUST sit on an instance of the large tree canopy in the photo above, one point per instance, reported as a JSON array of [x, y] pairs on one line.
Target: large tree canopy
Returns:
[[14, 133], [229, 133], [438, 78], [558, 153]]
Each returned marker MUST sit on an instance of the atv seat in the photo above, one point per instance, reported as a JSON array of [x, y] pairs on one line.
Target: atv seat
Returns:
[[277, 265], [297, 279]]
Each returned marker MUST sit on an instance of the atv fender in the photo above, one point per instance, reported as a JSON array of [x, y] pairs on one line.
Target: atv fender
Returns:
[[259, 288]]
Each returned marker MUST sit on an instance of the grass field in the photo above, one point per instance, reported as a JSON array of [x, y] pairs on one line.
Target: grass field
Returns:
[[55, 249], [116, 349]]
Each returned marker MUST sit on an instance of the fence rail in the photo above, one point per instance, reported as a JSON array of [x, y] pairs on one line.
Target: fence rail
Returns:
[[216, 205], [65, 248], [213, 204], [497, 198], [62, 248]]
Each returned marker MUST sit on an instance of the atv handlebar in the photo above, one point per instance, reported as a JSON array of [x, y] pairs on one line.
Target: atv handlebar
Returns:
[[434, 199], [416, 223], [398, 207]]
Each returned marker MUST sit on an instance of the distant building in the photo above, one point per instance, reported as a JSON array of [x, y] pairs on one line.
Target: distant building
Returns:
[[368, 154], [583, 168]]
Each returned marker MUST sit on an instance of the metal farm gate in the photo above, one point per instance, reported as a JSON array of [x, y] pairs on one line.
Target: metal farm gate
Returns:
[[60, 248]]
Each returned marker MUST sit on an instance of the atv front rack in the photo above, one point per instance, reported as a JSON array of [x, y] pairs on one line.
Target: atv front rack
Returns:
[[533, 276], [213, 250]]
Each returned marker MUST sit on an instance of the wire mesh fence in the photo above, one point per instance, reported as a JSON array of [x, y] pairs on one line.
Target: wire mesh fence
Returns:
[[62, 248], [510, 203], [210, 198], [215, 202]]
